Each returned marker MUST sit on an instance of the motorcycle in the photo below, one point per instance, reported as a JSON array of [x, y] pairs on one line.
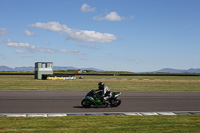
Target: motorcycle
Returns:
[[93, 99]]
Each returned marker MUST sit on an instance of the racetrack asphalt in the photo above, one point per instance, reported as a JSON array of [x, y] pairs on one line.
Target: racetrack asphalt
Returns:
[[70, 102]]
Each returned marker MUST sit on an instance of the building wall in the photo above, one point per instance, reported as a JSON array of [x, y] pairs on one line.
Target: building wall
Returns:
[[43, 68]]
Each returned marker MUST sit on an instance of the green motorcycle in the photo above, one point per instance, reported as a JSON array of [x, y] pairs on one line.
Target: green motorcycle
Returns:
[[93, 99]]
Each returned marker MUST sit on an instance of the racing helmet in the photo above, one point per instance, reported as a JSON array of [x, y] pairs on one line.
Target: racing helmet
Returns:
[[101, 85]]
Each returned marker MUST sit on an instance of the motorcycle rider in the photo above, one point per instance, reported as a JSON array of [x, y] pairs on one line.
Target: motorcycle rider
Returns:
[[106, 93]]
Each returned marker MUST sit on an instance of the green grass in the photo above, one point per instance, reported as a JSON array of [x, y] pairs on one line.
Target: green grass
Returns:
[[179, 123], [165, 83]]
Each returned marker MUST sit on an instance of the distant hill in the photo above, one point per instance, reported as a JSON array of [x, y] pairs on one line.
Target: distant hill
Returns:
[[24, 68], [74, 68], [64, 68], [171, 70], [30, 68], [5, 68], [93, 69]]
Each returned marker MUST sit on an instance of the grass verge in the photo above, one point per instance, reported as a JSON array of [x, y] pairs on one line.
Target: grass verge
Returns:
[[130, 83], [178, 123]]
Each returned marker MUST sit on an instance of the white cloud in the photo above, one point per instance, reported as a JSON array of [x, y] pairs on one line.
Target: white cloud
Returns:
[[28, 33], [86, 8], [189, 25], [76, 34], [29, 48], [1, 42], [52, 26], [32, 49], [88, 46], [132, 17], [3, 31], [137, 61], [28, 56], [45, 50], [47, 42], [21, 51], [10, 43], [76, 52], [65, 51], [83, 59], [112, 16]]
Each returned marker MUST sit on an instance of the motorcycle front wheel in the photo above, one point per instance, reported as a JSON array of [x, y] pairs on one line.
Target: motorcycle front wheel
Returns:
[[86, 103], [115, 103]]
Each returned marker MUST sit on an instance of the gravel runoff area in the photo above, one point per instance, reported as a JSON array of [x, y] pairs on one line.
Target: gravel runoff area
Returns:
[[96, 114]]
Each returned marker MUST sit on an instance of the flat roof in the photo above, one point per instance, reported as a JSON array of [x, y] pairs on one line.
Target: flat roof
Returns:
[[43, 62]]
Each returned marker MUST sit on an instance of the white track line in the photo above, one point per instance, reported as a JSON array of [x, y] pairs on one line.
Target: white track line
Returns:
[[95, 114]]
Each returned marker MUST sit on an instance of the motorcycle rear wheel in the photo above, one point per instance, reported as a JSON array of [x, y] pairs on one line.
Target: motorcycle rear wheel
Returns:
[[86, 103], [115, 103]]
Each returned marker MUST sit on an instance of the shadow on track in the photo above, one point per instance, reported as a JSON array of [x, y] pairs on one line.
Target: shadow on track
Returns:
[[90, 107]]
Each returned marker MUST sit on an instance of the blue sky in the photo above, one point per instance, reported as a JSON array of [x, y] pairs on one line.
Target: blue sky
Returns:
[[122, 35]]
